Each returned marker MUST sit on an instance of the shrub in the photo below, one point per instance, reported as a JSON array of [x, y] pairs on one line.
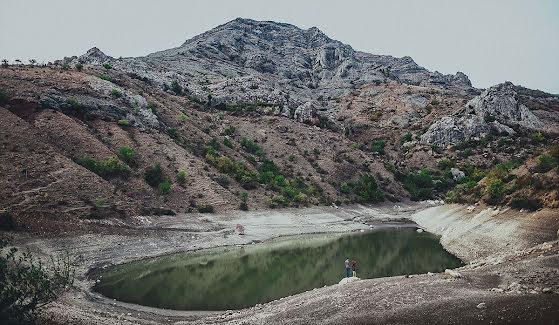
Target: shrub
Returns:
[[291, 157], [445, 163], [344, 188], [525, 203], [65, 67], [251, 147], [88, 163], [78, 66], [545, 164], [105, 77], [26, 285], [300, 198], [176, 88], [183, 117], [228, 143], [378, 146], [127, 155], [107, 66], [537, 137], [3, 98], [205, 208], [100, 202], [495, 190], [152, 107], [174, 133], [554, 152], [405, 138], [244, 206], [223, 180], [366, 189], [230, 130], [181, 176], [164, 187], [73, 102], [434, 102], [116, 92], [154, 175], [112, 167], [123, 122], [418, 184]]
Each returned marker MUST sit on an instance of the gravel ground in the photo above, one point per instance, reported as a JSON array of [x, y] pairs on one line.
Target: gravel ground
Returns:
[[511, 273]]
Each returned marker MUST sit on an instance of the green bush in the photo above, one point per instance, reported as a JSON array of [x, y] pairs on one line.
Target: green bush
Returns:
[[154, 175], [230, 130], [78, 66], [127, 155], [105, 77], [176, 88], [495, 190], [291, 157], [174, 133], [183, 117], [228, 143], [545, 164], [153, 107], [525, 203], [73, 102], [181, 176], [3, 98], [445, 164], [107, 66], [300, 198], [251, 147], [244, 206], [419, 184], [205, 208], [537, 137], [100, 202], [123, 122], [26, 285], [344, 188], [405, 138], [554, 152], [366, 189], [105, 168], [116, 92], [164, 187], [378, 146]]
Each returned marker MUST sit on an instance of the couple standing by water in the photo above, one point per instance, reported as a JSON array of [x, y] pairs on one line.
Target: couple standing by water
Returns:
[[352, 265]]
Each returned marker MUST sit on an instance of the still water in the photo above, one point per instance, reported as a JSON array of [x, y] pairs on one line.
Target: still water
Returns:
[[237, 277]]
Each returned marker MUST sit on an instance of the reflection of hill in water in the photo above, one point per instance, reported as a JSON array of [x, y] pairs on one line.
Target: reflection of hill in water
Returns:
[[236, 277]]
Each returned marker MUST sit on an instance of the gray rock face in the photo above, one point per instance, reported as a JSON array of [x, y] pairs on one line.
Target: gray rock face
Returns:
[[306, 112], [457, 173], [499, 102], [262, 61]]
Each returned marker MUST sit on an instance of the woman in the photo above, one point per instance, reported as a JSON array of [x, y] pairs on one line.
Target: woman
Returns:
[[353, 268]]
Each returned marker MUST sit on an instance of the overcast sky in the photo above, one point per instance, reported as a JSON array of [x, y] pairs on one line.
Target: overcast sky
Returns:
[[490, 41]]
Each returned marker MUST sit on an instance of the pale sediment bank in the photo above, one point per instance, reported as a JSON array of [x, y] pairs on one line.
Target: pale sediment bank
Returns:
[[506, 263]]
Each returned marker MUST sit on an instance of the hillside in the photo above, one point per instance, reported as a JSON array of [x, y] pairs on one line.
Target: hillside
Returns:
[[288, 116]]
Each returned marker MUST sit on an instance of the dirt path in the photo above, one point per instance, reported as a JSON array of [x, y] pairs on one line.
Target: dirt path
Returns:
[[512, 271]]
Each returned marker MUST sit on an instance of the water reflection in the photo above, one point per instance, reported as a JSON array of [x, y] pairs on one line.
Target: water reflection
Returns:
[[237, 277]]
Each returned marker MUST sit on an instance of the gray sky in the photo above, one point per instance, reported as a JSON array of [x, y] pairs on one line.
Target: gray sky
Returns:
[[490, 41]]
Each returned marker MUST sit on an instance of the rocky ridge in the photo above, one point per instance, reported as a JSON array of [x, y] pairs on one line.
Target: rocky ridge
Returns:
[[262, 61]]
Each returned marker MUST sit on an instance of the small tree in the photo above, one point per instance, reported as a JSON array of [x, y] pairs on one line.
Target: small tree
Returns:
[[5, 63], [176, 88], [181, 177], [32, 61], [78, 66], [127, 154]]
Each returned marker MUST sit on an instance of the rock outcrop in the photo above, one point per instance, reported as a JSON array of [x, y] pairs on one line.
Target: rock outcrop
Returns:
[[493, 109]]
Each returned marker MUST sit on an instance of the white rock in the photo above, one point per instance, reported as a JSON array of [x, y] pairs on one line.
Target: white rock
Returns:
[[419, 230], [348, 280], [481, 306], [452, 274]]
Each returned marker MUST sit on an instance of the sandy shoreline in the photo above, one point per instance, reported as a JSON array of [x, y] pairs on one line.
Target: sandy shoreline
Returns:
[[495, 260]]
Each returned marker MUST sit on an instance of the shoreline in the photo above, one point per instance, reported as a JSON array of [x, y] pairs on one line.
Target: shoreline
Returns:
[[168, 235]]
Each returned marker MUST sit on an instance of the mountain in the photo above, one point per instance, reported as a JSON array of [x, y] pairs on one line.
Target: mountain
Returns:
[[260, 115]]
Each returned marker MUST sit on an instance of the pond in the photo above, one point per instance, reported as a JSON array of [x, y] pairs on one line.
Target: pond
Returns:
[[237, 277]]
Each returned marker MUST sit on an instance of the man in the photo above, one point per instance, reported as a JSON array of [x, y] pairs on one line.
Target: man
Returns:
[[347, 266]]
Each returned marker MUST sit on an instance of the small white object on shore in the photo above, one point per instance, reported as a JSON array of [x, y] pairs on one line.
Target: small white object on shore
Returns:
[[349, 280], [419, 230]]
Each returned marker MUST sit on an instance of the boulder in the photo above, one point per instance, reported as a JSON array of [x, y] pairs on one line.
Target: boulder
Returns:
[[457, 173], [349, 280], [451, 274], [493, 109]]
